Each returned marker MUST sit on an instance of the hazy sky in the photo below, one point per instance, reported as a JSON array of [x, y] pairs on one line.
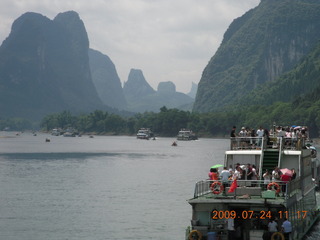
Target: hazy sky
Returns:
[[169, 40]]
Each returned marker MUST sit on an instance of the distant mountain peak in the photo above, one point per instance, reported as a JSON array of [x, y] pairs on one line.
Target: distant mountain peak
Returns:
[[193, 90], [44, 67], [166, 87], [137, 86]]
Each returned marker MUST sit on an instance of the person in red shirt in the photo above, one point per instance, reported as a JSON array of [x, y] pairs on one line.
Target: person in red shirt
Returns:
[[213, 174]]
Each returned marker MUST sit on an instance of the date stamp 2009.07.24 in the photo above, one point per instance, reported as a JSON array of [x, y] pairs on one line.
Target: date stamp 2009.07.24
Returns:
[[249, 214]]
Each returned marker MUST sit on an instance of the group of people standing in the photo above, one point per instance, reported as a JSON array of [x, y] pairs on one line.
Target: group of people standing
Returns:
[[273, 227], [277, 176], [240, 172], [249, 172], [253, 138], [224, 176], [245, 133]]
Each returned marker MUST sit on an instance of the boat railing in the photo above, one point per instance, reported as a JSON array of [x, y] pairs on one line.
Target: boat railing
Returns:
[[293, 186], [202, 187], [254, 143], [246, 143], [246, 187]]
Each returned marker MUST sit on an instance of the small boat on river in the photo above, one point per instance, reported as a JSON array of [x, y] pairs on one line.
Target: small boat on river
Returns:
[[186, 135], [245, 207], [145, 133]]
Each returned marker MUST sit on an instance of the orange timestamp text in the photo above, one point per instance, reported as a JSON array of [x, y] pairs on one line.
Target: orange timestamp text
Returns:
[[249, 214]]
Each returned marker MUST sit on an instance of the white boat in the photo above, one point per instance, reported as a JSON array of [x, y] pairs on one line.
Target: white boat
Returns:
[[186, 135], [55, 132], [144, 133], [246, 211]]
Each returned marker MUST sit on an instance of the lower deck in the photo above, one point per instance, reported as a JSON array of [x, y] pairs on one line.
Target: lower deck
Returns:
[[249, 209]]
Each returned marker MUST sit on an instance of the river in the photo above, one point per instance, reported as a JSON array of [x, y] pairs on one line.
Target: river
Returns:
[[105, 187]]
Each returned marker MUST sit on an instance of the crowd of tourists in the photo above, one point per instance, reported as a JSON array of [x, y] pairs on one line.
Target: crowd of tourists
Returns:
[[250, 172], [251, 138]]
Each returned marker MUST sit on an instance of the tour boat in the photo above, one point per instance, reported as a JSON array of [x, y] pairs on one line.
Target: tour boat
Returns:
[[144, 133], [186, 135], [245, 207]]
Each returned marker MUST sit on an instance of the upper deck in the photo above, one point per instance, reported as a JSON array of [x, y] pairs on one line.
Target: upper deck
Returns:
[[265, 154], [252, 199]]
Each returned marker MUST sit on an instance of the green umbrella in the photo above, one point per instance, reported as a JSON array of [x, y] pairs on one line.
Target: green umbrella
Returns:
[[217, 166]]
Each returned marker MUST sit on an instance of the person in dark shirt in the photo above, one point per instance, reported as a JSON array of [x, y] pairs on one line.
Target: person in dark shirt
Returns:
[[249, 171], [233, 135], [233, 132]]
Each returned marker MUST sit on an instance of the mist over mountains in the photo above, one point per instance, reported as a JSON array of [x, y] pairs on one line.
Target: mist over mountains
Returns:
[[269, 54], [46, 66]]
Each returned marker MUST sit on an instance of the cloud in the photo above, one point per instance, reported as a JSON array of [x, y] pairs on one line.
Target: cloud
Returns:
[[168, 40]]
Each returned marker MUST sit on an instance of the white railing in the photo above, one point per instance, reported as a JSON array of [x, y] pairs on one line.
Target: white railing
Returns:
[[203, 187], [254, 143]]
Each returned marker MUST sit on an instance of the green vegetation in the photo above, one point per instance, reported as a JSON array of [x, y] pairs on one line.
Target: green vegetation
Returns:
[[303, 111], [16, 124], [258, 48]]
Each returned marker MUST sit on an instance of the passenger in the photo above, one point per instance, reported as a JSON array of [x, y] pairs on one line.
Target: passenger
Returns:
[[272, 226], [260, 133], [267, 178], [236, 175], [304, 133], [276, 174], [285, 179], [242, 173], [236, 166], [243, 135], [253, 138], [230, 169], [254, 175], [210, 174], [215, 174], [294, 139], [249, 171], [267, 137], [233, 136], [280, 134], [225, 174], [288, 137], [286, 229], [231, 229], [233, 132], [294, 174]]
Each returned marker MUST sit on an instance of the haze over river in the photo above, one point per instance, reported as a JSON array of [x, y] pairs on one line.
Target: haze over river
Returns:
[[106, 187]]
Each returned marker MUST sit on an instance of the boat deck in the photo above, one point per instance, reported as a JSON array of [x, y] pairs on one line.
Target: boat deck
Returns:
[[244, 193], [239, 199]]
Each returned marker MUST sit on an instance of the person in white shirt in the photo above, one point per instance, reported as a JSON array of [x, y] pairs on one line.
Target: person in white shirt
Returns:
[[273, 226], [236, 174], [225, 174], [267, 178], [231, 229], [260, 133]]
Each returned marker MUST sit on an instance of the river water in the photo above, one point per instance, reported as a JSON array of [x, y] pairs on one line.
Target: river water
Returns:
[[106, 187]]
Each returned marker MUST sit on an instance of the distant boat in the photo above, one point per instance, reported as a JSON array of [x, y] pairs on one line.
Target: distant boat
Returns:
[[144, 133], [55, 132], [186, 135], [69, 134]]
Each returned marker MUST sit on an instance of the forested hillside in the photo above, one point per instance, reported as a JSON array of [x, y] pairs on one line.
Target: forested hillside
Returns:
[[301, 82], [258, 48]]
